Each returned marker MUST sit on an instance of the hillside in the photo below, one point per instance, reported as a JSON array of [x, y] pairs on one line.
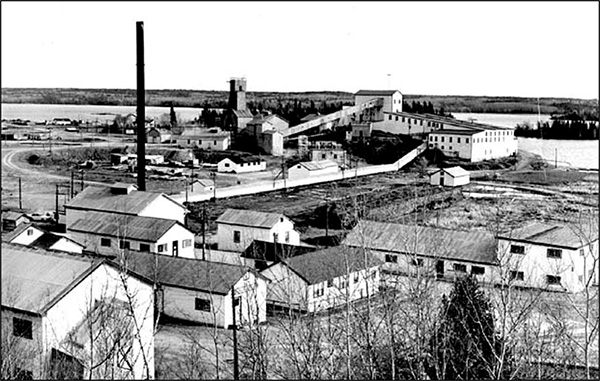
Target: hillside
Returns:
[[270, 100]]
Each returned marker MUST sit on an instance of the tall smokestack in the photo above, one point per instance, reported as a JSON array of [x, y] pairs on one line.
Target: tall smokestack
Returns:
[[141, 108]]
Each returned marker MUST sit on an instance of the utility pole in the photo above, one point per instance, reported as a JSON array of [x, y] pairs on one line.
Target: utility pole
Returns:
[[236, 375], [20, 196], [192, 176], [56, 204], [214, 176], [72, 183], [283, 172], [141, 110], [203, 230], [82, 179]]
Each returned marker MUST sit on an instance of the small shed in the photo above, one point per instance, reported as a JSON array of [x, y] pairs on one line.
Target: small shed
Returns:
[[312, 168], [451, 177], [10, 220], [203, 185]]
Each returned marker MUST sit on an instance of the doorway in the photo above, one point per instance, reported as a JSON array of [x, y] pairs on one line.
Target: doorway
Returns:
[[175, 248]]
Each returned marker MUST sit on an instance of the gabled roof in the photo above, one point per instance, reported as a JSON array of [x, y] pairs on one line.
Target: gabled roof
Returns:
[[310, 117], [377, 92], [47, 240], [322, 265], [250, 218], [453, 171], [456, 132], [317, 165], [33, 279], [186, 273], [147, 229], [8, 237], [204, 134], [102, 199], [472, 246], [560, 235], [240, 160], [204, 182], [13, 216], [274, 251]]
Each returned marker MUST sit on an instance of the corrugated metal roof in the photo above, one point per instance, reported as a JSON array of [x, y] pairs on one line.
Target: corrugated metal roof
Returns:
[[147, 229], [456, 132], [185, 272], [250, 218], [13, 216], [473, 246], [34, 279], [330, 263], [376, 92], [570, 236], [102, 199], [317, 165]]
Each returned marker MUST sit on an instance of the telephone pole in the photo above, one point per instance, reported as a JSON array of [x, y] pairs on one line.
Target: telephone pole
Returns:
[[236, 373]]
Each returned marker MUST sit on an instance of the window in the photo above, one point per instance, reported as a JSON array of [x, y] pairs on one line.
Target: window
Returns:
[[22, 328], [458, 140], [186, 243], [581, 252], [459, 267], [275, 237], [227, 165], [105, 242], [335, 156], [402, 119], [516, 275], [450, 139], [417, 262], [214, 143], [330, 283], [124, 244], [554, 253], [323, 156], [356, 277], [477, 270], [29, 231], [343, 282], [391, 258], [466, 140], [144, 247], [199, 142], [517, 249], [162, 248], [436, 138], [552, 279], [237, 301], [236, 236], [442, 146], [287, 237], [431, 138], [319, 289], [408, 120], [396, 118], [390, 117], [442, 139], [421, 122], [202, 305], [450, 148]]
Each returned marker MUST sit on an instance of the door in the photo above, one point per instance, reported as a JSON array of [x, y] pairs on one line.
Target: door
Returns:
[[442, 181], [439, 269], [175, 248]]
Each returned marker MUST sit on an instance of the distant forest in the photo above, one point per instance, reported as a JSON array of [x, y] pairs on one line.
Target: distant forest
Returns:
[[572, 127], [321, 101]]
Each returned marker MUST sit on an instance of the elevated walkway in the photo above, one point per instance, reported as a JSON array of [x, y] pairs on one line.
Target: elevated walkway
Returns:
[[341, 115]]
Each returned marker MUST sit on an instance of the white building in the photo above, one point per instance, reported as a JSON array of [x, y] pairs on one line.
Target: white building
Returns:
[[123, 199], [208, 139], [312, 168], [240, 165], [30, 235], [51, 304], [201, 291], [445, 253], [109, 234], [322, 279], [554, 256], [474, 144], [408, 123], [236, 229], [451, 177], [392, 101], [203, 185]]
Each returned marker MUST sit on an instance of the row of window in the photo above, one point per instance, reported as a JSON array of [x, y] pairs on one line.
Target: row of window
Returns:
[[415, 121], [319, 288], [550, 253], [201, 304], [200, 142], [458, 140], [123, 244], [499, 133], [237, 237]]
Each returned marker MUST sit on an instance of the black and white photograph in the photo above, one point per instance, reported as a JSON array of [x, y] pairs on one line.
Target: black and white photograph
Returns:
[[372, 190]]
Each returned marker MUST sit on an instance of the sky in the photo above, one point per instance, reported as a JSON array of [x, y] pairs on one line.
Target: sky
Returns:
[[524, 49]]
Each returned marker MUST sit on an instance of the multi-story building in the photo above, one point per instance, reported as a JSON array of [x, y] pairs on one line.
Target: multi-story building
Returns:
[[392, 102]]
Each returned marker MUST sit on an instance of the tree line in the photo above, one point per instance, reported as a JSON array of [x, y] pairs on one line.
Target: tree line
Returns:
[[560, 128]]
